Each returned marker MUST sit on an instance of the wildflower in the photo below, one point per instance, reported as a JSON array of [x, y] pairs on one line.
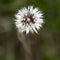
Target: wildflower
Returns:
[[29, 20]]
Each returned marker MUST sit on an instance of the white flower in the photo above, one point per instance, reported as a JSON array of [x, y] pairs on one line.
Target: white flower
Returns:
[[28, 19]]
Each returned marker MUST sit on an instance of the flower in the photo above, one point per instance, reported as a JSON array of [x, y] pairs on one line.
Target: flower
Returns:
[[29, 19]]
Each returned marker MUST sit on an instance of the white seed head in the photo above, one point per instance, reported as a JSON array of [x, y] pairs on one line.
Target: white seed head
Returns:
[[29, 20]]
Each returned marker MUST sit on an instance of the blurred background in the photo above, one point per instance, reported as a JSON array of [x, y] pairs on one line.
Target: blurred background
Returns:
[[49, 35]]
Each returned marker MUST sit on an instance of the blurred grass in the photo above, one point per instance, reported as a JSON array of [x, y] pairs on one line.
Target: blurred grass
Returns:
[[49, 34]]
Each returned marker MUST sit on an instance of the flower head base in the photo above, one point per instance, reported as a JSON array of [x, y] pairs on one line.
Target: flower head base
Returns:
[[29, 19]]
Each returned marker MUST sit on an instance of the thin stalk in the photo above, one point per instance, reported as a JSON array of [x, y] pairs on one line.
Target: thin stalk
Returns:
[[26, 45]]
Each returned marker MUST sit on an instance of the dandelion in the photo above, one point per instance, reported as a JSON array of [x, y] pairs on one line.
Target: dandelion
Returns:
[[29, 20]]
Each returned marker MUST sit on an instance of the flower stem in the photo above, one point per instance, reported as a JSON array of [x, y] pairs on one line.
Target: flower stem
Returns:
[[26, 45]]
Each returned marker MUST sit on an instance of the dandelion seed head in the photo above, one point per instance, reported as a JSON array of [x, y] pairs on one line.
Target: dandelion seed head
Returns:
[[29, 19]]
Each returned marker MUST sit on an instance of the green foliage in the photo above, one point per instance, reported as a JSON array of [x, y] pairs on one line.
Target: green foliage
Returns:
[[49, 34]]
